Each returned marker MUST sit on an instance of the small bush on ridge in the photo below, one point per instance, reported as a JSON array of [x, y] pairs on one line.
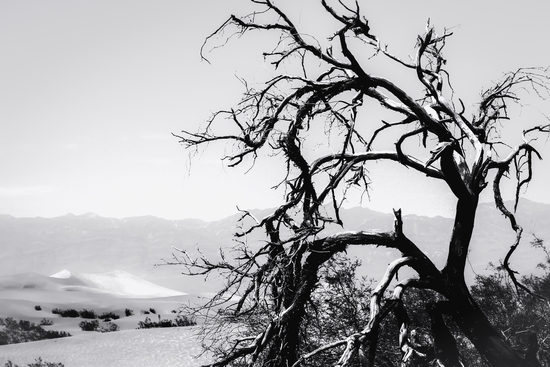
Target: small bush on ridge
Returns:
[[89, 325], [46, 322], [108, 315], [179, 321], [88, 314], [71, 312], [185, 321], [110, 327], [37, 363], [93, 325]]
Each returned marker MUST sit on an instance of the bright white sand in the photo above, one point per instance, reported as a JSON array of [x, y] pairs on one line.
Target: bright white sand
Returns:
[[116, 282], [136, 348]]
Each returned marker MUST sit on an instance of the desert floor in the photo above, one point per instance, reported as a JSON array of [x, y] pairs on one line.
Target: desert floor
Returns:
[[152, 347]]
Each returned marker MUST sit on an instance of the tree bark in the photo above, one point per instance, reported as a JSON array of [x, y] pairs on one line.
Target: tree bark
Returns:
[[284, 348], [467, 315]]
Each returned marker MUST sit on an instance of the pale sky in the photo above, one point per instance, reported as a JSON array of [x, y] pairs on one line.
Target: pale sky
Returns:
[[90, 91]]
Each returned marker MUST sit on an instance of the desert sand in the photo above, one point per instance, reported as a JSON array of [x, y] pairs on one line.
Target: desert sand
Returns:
[[113, 291], [138, 348]]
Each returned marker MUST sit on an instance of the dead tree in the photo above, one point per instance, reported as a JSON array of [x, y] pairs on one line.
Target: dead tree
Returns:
[[326, 92]]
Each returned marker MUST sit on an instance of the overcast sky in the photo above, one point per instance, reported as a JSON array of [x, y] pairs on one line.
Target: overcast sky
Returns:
[[91, 90]]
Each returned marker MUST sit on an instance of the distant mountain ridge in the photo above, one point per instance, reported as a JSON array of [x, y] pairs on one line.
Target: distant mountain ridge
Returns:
[[90, 244]]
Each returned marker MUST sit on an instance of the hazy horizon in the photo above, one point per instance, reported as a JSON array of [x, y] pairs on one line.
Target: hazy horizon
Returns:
[[248, 209]]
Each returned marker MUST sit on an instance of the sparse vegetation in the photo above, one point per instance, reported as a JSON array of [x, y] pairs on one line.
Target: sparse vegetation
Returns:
[[145, 312], [147, 324], [89, 325], [179, 321], [37, 363], [46, 322], [87, 314], [93, 325], [152, 310], [109, 328], [128, 312], [71, 312], [38, 308], [107, 316], [22, 331], [184, 321]]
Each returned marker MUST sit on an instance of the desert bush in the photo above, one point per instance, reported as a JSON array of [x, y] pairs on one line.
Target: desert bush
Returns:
[[88, 314], [37, 363], [146, 324], [165, 323], [179, 321], [108, 315], [46, 322], [152, 310], [71, 312], [89, 325], [184, 321], [144, 312], [109, 328], [38, 308], [22, 331], [128, 312], [93, 325]]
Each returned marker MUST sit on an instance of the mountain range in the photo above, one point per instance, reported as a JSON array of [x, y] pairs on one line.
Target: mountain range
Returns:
[[139, 245]]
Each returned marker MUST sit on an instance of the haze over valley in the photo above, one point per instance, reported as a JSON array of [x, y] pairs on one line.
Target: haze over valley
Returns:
[[139, 245]]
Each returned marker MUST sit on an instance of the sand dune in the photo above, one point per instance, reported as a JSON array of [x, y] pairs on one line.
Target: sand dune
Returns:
[[116, 282], [104, 292]]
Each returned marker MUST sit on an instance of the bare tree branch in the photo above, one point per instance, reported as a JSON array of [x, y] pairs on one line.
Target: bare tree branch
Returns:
[[327, 92]]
